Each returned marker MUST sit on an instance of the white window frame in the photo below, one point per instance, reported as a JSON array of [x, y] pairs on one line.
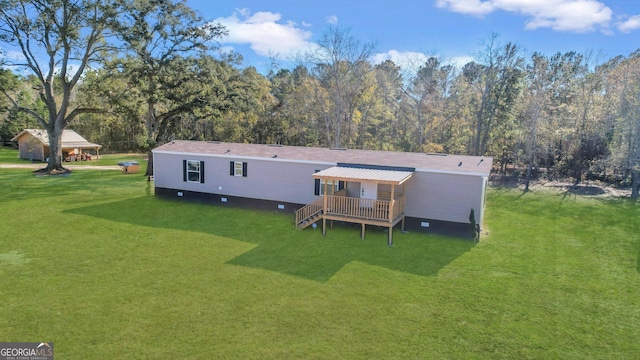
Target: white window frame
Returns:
[[193, 171], [237, 168]]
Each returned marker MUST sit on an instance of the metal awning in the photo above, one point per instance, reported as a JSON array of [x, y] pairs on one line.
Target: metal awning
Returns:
[[393, 177]]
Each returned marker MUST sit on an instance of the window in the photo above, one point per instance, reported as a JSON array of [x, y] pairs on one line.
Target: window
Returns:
[[193, 171], [330, 184], [238, 168], [319, 186]]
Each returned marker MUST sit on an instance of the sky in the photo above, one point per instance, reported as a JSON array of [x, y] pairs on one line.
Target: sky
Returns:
[[407, 31]]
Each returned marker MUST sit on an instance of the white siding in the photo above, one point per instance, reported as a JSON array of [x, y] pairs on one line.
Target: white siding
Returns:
[[429, 195], [266, 180], [448, 197]]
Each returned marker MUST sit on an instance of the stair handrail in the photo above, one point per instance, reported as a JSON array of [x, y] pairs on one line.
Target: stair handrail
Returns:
[[309, 210]]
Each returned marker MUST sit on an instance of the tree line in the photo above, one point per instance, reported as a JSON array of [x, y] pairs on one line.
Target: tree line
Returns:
[[149, 77]]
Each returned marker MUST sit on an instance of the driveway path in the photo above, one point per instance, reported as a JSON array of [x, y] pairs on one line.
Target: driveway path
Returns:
[[70, 167]]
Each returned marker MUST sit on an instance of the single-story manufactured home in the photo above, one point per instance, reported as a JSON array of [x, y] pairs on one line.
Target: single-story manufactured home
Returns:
[[33, 144], [430, 192]]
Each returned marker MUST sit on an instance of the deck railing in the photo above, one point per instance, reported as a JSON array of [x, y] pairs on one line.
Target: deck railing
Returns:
[[369, 209]]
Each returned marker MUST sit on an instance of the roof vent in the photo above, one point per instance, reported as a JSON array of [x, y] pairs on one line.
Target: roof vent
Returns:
[[338, 148], [460, 163], [213, 142], [274, 145], [435, 154]]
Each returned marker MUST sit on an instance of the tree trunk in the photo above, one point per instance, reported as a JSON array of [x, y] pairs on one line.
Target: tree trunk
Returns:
[[54, 163], [528, 178], [635, 183], [149, 171]]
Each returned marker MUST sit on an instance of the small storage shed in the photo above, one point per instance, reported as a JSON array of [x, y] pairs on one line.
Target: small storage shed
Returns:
[[34, 144]]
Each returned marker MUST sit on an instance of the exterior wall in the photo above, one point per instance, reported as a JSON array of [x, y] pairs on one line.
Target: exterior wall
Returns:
[[446, 197], [30, 148], [272, 180], [430, 196]]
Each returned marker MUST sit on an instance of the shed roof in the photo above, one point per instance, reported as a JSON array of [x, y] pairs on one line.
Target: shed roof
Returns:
[[70, 138], [356, 174], [472, 165]]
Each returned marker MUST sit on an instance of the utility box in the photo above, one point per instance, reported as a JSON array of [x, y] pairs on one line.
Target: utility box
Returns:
[[129, 167]]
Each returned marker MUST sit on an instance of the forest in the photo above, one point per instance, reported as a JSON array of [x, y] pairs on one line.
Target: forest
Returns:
[[144, 76]]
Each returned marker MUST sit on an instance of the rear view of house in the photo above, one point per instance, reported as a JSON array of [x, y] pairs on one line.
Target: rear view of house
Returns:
[[430, 192]]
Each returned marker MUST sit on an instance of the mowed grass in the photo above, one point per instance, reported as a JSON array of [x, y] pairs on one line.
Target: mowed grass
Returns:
[[98, 265]]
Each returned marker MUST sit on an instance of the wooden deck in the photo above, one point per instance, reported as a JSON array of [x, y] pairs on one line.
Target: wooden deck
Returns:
[[340, 207]]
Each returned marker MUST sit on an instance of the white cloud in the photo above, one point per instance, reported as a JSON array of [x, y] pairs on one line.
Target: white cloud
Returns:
[[16, 56], [405, 59], [332, 20], [459, 61], [410, 61], [630, 24], [470, 7], [265, 33], [559, 15]]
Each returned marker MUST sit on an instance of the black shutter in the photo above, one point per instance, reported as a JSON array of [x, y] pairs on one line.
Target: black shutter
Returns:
[[202, 172], [244, 169], [316, 190], [184, 170], [231, 164], [340, 185]]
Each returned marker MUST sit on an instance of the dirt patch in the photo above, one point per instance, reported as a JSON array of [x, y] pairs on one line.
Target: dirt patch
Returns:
[[587, 188]]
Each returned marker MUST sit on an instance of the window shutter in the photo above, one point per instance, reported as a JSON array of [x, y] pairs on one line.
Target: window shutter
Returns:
[[184, 170], [244, 169], [231, 164], [316, 190], [202, 172]]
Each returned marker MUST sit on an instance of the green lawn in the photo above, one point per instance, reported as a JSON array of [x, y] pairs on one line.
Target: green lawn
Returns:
[[98, 265]]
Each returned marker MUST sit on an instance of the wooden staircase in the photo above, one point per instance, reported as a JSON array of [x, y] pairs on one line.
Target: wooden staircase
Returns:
[[309, 214]]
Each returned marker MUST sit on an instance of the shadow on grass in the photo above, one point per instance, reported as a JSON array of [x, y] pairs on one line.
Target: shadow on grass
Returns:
[[282, 248]]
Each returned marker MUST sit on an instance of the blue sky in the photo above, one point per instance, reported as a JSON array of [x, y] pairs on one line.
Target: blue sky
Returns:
[[409, 30]]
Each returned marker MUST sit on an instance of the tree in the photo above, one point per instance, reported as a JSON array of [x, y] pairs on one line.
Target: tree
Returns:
[[623, 95], [339, 63], [58, 40], [165, 43], [18, 89], [496, 80], [425, 100], [535, 105]]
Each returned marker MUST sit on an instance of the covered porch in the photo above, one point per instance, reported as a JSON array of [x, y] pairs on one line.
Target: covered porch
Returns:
[[367, 196]]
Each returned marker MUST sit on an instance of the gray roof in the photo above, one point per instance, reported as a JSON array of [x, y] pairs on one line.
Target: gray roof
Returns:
[[70, 138], [356, 174], [475, 165]]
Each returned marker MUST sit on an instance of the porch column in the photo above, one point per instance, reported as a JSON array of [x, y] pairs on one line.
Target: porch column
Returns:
[[324, 209], [391, 214]]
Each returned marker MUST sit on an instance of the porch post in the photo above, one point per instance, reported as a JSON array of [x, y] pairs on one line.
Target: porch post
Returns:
[[391, 214], [391, 203], [362, 235], [324, 209]]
